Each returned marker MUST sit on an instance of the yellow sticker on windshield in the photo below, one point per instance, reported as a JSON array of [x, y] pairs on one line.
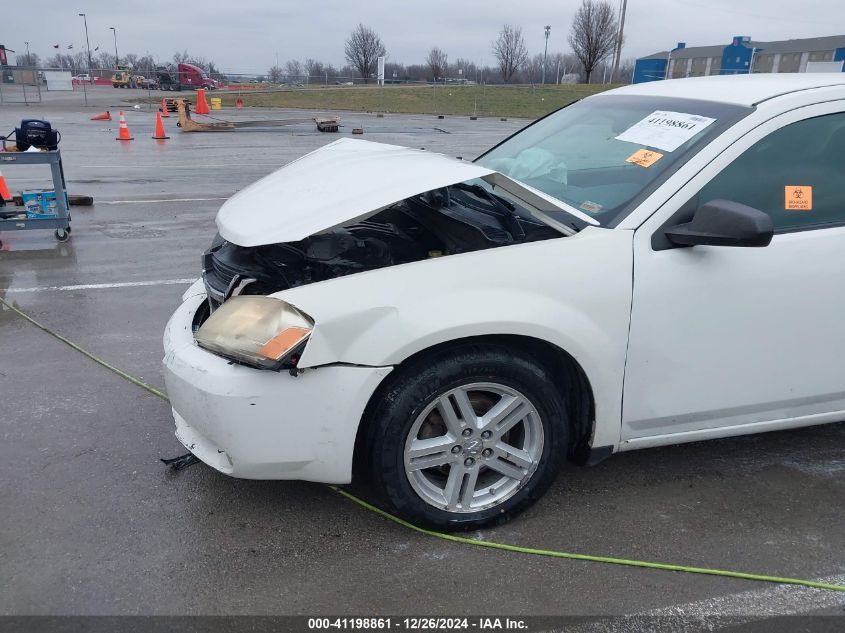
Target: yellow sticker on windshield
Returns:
[[798, 198], [644, 157]]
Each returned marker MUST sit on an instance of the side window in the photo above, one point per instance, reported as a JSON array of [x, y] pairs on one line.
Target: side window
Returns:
[[796, 174]]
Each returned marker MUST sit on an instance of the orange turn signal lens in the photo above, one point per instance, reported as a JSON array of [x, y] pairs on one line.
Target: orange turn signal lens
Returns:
[[283, 342]]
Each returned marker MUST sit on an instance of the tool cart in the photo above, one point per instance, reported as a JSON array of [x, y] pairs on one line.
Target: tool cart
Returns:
[[22, 221]]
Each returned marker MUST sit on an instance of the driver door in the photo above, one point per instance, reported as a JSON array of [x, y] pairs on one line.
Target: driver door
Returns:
[[731, 340]]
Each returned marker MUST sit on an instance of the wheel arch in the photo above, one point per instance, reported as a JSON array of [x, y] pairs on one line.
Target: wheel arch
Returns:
[[572, 382]]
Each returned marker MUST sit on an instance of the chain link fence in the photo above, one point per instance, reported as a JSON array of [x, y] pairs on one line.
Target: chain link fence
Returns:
[[20, 85]]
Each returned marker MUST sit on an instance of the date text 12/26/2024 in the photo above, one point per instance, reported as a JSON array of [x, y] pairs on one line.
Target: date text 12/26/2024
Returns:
[[417, 624]]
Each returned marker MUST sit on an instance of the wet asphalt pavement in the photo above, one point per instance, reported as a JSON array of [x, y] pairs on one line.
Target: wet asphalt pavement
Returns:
[[91, 523]]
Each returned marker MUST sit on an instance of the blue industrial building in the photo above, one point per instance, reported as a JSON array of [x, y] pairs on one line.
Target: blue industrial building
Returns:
[[741, 56]]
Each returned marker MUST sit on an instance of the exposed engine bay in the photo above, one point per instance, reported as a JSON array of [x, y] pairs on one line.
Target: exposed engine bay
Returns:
[[447, 221]]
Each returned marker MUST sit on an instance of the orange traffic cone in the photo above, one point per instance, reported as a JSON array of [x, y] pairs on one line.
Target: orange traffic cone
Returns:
[[124, 134], [105, 116], [239, 103], [159, 135], [164, 108], [4, 188], [202, 104]]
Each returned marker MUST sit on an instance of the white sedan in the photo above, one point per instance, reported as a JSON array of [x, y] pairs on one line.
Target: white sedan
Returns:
[[656, 264]]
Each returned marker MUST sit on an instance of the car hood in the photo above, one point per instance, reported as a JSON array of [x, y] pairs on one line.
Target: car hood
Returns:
[[349, 180]]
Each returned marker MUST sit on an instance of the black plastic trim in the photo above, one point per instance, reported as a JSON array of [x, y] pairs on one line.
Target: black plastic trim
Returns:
[[595, 454]]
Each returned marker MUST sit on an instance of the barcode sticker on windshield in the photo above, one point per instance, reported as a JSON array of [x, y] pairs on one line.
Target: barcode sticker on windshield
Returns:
[[665, 130]]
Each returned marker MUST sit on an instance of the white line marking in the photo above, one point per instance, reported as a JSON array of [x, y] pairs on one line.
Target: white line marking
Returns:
[[157, 201], [771, 602], [752, 605], [124, 284]]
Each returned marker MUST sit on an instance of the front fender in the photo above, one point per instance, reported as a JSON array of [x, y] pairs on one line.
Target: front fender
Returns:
[[573, 292]]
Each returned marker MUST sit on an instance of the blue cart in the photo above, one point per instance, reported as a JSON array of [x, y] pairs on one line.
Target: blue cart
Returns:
[[60, 223]]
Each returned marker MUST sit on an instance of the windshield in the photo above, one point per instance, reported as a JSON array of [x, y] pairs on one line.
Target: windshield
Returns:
[[603, 154]]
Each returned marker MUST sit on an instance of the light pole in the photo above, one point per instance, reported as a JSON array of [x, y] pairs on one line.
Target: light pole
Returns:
[[545, 52], [116, 58], [88, 45], [754, 49], [615, 72], [28, 61]]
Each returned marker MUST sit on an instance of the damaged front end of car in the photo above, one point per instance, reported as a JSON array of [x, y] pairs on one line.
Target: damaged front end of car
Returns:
[[351, 207]]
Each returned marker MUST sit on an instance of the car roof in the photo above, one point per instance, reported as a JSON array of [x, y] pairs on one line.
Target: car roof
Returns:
[[745, 90]]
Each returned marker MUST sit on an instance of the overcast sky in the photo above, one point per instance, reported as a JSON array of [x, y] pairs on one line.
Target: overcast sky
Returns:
[[246, 35]]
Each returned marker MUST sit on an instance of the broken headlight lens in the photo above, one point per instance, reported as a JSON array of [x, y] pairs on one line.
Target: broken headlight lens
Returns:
[[260, 331]]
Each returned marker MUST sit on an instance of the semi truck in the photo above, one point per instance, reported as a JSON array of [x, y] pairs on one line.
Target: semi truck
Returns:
[[185, 77]]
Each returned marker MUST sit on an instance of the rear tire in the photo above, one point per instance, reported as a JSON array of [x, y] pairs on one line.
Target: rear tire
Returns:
[[467, 437]]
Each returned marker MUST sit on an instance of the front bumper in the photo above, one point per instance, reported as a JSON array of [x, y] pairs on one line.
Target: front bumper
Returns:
[[259, 424]]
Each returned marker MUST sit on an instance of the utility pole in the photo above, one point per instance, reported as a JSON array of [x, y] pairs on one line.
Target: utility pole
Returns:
[[116, 58], [545, 52], [614, 74]]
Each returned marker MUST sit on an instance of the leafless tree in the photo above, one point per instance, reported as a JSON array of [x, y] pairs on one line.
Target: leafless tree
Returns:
[[510, 51], [80, 61], [105, 59], [534, 68], [274, 75], [30, 60], [315, 68], [593, 34], [438, 62], [625, 72], [146, 65], [395, 72], [293, 68], [467, 68], [363, 48], [60, 60]]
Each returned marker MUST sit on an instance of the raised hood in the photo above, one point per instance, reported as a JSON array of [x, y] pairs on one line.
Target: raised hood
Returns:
[[347, 181]]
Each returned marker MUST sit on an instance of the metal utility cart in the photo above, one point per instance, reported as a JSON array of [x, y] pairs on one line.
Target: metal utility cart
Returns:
[[61, 223]]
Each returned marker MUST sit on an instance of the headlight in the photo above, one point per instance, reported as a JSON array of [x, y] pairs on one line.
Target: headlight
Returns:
[[259, 331]]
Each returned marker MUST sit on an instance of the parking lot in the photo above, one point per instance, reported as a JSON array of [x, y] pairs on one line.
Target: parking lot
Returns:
[[92, 523]]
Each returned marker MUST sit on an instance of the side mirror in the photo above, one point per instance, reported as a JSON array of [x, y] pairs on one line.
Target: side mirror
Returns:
[[723, 223]]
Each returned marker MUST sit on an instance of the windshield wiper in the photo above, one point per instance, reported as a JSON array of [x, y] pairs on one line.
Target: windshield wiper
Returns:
[[505, 207]]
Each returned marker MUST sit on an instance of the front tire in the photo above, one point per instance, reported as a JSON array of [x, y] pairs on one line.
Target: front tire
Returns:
[[467, 437]]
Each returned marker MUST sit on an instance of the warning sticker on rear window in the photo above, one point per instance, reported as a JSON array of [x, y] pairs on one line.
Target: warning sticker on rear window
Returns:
[[665, 130], [798, 198]]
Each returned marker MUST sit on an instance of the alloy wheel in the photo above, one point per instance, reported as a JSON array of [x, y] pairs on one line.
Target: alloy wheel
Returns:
[[473, 447]]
